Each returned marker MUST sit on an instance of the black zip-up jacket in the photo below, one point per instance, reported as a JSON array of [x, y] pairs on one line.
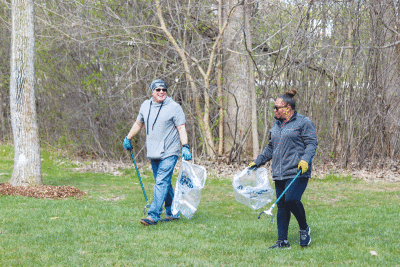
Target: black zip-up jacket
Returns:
[[288, 144]]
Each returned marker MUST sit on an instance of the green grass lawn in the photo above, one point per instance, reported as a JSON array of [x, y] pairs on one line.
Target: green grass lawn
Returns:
[[349, 219]]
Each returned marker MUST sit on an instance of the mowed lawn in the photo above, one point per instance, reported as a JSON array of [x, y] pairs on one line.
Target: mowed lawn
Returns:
[[350, 221]]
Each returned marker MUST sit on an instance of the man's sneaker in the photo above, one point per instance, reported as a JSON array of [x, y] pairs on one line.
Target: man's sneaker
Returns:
[[148, 222], [281, 244], [305, 237]]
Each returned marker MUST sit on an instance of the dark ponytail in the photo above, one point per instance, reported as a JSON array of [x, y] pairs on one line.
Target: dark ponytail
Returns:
[[288, 98]]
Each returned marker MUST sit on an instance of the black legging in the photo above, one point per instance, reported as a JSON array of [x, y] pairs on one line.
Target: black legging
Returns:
[[290, 203]]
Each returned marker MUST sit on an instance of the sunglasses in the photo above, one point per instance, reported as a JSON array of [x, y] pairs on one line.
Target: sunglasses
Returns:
[[161, 89], [277, 108]]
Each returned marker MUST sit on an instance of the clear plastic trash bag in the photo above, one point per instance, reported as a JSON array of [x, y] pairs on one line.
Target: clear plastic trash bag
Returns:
[[252, 188], [190, 181]]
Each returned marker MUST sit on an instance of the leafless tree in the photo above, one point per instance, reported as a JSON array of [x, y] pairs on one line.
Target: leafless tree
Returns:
[[240, 120], [27, 163], [95, 60]]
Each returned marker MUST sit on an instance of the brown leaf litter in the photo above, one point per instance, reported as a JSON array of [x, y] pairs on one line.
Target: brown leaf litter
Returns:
[[383, 170], [41, 191]]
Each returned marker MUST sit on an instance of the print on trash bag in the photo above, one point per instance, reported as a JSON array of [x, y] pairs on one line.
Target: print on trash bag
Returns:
[[253, 193], [186, 180]]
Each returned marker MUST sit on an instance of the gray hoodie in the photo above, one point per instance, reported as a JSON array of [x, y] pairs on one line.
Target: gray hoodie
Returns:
[[160, 121], [288, 144]]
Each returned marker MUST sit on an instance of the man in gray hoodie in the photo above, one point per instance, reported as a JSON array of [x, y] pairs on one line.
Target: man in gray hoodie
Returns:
[[164, 122]]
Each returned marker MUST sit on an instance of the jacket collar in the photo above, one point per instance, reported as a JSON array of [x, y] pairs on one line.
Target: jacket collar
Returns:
[[294, 116]]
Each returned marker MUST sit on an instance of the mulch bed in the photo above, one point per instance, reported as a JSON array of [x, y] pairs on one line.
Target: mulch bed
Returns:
[[41, 191]]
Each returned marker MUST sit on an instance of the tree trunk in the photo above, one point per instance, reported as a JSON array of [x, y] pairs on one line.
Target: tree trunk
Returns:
[[2, 118], [349, 155], [251, 81], [238, 125], [219, 85], [27, 165]]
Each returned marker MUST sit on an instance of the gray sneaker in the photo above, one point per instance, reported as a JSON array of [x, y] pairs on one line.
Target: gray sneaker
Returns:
[[305, 237], [281, 245]]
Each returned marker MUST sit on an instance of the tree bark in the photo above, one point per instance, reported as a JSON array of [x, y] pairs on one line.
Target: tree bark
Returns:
[[251, 81], [219, 85], [2, 118], [27, 163], [237, 72]]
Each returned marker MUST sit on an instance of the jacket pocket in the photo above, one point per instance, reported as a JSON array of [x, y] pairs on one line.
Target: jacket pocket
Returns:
[[155, 149], [290, 164]]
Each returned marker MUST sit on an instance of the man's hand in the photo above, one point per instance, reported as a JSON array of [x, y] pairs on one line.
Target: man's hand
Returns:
[[303, 165], [252, 165], [186, 152], [127, 143]]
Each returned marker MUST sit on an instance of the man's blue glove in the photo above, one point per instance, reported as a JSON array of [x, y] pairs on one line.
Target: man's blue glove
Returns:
[[127, 143], [186, 153]]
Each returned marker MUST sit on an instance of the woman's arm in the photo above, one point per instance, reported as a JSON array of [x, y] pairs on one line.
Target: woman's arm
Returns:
[[309, 136], [266, 154]]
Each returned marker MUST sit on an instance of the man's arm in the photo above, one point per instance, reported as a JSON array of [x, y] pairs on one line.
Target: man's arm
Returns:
[[182, 134], [135, 129], [184, 141]]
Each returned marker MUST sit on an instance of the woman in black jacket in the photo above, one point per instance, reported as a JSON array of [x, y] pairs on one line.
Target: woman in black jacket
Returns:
[[292, 145]]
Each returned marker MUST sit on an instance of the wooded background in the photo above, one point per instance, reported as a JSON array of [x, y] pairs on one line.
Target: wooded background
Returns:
[[225, 63]]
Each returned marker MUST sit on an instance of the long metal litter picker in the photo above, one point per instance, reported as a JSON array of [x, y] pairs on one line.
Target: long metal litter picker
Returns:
[[269, 211], [141, 184]]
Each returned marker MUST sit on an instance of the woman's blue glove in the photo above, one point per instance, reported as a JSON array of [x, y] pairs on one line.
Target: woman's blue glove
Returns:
[[127, 143], [186, 153]]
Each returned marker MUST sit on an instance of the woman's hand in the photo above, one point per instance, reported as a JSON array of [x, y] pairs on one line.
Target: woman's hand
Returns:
[[303, 165], [252, 165]]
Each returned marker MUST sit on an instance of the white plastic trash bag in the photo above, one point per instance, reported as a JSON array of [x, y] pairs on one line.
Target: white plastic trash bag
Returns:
[[190, 181], [252, 188]]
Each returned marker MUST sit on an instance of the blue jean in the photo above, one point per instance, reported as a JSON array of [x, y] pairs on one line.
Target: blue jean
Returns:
[[290, 203], [163, 191]]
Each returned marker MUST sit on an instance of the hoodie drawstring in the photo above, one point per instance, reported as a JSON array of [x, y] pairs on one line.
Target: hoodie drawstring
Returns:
[[152, 128]]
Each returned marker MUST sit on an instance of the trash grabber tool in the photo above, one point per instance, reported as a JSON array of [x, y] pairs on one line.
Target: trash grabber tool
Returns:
[[269, 211], [141, 184]]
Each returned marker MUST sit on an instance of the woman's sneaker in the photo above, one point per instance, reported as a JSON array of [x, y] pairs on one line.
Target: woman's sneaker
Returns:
[[281, 244], [305, 237]]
